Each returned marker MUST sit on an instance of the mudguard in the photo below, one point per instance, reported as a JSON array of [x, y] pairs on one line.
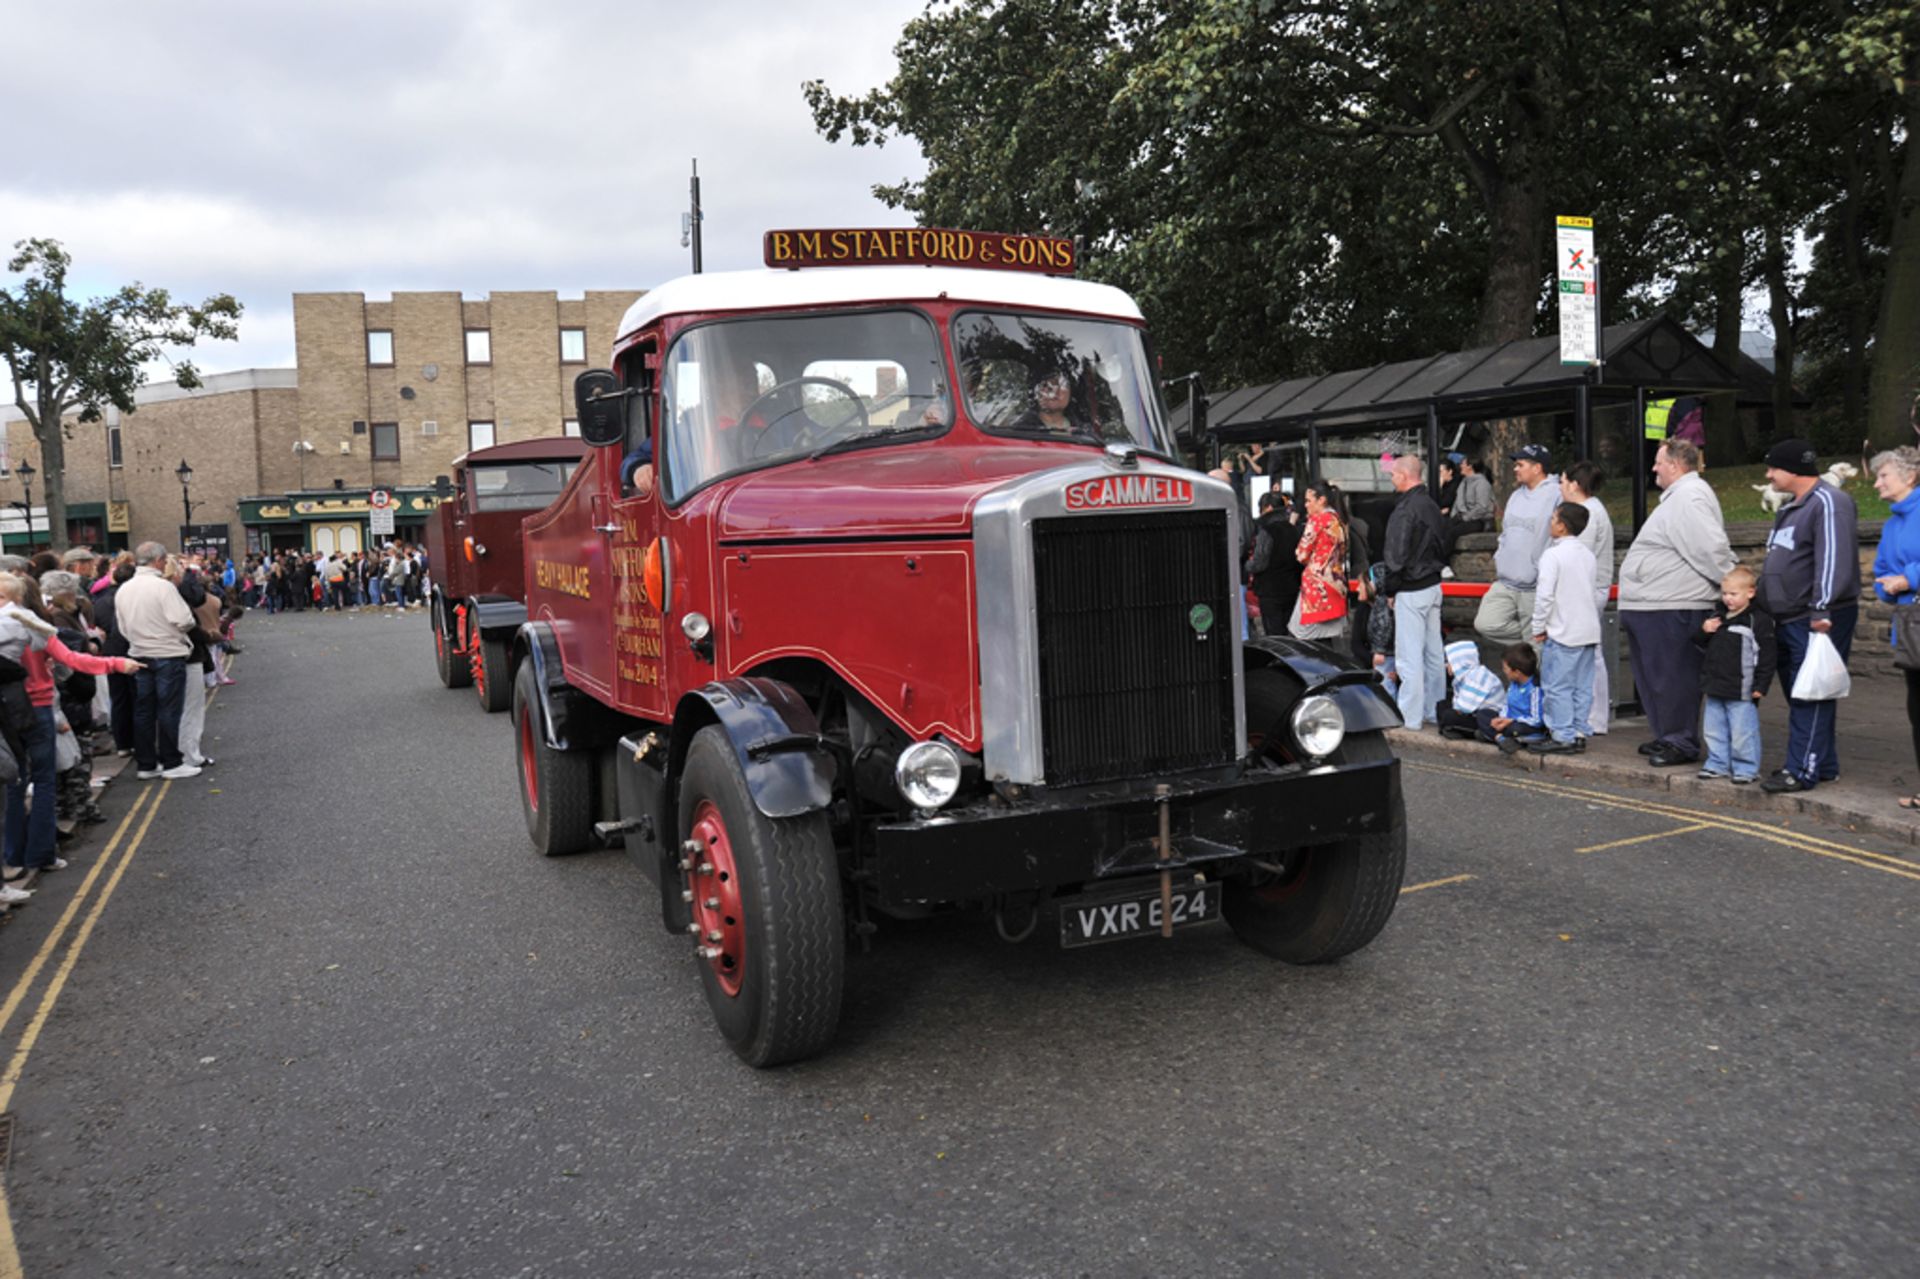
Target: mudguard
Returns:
[[788, 766], [493, 613], [571, 720], [1316, 668]]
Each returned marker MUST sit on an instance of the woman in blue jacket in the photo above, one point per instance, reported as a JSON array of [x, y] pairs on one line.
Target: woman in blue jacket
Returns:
[[1896, 564]]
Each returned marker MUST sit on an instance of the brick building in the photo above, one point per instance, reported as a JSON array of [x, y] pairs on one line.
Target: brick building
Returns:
[[385, 394]]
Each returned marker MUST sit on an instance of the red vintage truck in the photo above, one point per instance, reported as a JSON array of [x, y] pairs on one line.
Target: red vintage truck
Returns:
[[476, 572], [881, 592]]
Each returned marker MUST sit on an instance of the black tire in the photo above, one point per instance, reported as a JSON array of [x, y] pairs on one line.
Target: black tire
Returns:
[[451, 665], [495, 683], [556, 787], [1333, 898], [784, 1001]]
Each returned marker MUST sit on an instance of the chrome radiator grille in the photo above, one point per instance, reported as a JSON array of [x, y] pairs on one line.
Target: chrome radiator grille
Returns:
[[1137, 641]]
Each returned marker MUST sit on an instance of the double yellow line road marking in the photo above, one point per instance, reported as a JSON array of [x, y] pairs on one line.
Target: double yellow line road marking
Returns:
[[87, 907], [1693, 821]]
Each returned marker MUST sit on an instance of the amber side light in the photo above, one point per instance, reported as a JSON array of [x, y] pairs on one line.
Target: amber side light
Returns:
[[469, 549], [653, 577]]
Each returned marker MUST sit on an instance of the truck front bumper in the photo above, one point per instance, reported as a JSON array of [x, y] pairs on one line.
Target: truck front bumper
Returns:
[[1097, 833]]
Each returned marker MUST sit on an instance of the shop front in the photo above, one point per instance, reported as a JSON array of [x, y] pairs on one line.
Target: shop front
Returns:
[[101, 525], [332, 521]]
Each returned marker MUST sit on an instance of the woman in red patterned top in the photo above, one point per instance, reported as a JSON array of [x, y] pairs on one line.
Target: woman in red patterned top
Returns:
[[1321, 613]]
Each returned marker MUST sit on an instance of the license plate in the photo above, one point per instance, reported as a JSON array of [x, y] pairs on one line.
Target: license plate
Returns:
[[1087, 921]]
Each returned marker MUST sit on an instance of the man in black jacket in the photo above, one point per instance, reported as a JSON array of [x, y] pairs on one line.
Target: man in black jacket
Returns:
[[1274, 569], [1414, 555]]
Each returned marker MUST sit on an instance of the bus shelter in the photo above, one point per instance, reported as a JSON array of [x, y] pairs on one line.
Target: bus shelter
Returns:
[[1645, 360]]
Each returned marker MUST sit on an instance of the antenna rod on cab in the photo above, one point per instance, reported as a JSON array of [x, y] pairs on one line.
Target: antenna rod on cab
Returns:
[[693, 216]]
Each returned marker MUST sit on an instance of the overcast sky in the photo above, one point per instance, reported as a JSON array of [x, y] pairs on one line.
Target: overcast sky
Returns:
[[265, 149]]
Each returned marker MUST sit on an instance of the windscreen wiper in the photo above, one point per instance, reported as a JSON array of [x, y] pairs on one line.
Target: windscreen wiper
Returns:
[[846, 442]]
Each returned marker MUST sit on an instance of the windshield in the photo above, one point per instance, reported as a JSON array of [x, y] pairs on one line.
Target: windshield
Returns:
[[743, 394], [1054, 377], [519, 486]]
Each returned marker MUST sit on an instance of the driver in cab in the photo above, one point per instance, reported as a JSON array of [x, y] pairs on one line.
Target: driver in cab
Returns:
[[1052, 408]]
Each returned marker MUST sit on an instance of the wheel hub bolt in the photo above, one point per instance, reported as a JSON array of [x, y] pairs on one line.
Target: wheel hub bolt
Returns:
[[714, 935], [686, 894], [694, 928], [709, 952], [686, 863], [705, 868], [692, 848], [712, 903]]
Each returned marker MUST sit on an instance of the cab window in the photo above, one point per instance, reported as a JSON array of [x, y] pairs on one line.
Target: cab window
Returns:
[[1054, 377], [744, 394], [519, 486]]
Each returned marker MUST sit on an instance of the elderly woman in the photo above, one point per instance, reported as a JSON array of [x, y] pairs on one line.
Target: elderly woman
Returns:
[[1896, 564]]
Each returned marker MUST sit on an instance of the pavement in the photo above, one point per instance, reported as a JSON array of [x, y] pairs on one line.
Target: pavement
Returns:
[[321, 1011], [1877, 763]]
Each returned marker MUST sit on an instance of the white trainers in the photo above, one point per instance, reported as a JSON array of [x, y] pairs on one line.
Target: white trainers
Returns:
[[14, 896], [181, 770], [147, 774]]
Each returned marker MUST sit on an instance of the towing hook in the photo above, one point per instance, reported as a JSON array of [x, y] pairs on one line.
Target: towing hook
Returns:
[[1008, 935]]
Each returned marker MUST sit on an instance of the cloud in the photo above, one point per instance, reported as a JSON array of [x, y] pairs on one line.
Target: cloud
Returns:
[[268, 149]]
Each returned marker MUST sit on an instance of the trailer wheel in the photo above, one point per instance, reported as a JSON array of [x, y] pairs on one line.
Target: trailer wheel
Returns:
[[1333, 898], [490, 676], [766, 900], [556, 787], [446, 659]]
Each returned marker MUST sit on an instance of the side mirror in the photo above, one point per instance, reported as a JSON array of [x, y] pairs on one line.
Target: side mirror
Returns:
[[600, 403]]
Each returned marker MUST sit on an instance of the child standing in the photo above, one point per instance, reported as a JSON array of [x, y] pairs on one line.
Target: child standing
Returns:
[[1734, 675], [1567, 627], [1522, 722]]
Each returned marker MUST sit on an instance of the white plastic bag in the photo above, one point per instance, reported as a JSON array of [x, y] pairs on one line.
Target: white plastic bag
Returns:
[[66, 747], [1823, 675]]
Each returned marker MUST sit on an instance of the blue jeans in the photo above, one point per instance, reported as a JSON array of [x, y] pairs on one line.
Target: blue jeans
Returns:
[[1733, 737], [159, 694], [30, 835], [1812, 755], [1566, 688], [1418, 655], [373, 590]]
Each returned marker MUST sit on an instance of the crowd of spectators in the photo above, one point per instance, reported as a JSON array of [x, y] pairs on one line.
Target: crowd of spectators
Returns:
[[295, 581], [1706, 635], [101, 655]]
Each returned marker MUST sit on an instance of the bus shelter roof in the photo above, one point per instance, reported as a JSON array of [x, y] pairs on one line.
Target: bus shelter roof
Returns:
[[1656, 355]]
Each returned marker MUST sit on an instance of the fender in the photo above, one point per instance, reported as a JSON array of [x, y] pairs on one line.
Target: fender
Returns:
[[1316, 668], [789, 767], [570, 720], [492, 613]]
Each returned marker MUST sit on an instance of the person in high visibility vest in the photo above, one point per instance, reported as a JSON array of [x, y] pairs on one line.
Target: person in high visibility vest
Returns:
[[1676, 418]]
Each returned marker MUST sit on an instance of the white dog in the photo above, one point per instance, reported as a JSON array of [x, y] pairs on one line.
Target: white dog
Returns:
[[1840, 474]]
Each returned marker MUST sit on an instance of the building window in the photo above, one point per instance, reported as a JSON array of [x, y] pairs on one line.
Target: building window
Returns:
[[479, 435], [573, 346], [479, 346], [386, 441], [380, 346], [113, 445], [571, 427]]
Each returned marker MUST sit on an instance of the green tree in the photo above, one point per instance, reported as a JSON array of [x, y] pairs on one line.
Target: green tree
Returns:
[[72, 357]]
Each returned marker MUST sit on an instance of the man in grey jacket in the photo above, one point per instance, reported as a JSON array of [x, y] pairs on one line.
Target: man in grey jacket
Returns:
[[1669, 583], [1810, 583], [1506, 610]]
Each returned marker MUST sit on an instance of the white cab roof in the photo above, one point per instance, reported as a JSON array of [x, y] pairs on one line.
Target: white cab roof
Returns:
[[825, 286]]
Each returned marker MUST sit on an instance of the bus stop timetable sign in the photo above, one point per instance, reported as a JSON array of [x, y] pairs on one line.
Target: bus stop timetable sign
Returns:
[[1579, 280], [920, 246]]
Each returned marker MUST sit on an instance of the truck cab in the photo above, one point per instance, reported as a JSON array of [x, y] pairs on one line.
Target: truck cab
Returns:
[[476, 569], [882, 591]]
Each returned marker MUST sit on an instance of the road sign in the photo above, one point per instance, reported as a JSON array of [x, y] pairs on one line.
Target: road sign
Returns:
[[380, 513], [1578, 272]]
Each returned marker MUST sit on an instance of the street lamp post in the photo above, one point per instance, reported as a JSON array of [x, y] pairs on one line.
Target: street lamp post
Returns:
[[185, 474], [26, 482]]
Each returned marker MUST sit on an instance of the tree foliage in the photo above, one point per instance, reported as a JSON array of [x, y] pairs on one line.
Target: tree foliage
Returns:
[[73, 358], [1292, 186]]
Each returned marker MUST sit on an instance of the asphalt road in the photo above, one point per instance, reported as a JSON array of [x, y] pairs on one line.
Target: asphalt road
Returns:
[[334, 1018]]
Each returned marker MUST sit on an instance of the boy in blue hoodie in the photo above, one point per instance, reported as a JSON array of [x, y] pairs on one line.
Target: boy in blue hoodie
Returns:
[[1525, 718]]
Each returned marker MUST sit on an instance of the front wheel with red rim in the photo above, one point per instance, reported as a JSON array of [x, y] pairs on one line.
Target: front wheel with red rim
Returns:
[[1327, 900], [556, 787], [771, 943], [490, 680]]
